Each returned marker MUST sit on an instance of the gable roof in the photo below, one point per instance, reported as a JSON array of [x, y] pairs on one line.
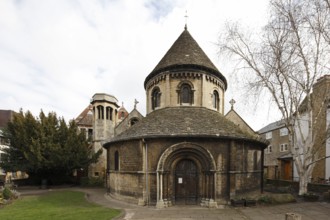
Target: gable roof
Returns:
[[185, 53], [184, 122], [85, 119], [241, 122], [272, 126]]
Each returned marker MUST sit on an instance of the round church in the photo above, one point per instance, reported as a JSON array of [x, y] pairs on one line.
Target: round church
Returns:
[[185, 151]]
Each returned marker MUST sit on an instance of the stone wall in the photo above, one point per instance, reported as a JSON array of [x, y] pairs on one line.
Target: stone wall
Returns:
[[321, 95], [203, 87], [130, 180]]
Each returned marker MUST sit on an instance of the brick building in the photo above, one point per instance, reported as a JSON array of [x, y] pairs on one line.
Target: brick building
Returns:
[[278, 157], [278, 162], [184, 151]]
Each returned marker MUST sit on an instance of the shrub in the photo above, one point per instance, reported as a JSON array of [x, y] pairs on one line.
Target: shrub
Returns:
[[91, 181], [7, 193], [265, 200]]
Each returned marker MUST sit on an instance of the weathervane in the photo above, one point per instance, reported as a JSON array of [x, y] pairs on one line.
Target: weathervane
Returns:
[[186, 17]]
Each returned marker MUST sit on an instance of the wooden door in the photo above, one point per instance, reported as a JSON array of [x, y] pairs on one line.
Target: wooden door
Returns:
[[287, 170], [186, 183]]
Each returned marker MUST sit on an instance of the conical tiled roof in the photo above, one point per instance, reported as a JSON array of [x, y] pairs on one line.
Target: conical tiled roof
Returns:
[[185, 53]]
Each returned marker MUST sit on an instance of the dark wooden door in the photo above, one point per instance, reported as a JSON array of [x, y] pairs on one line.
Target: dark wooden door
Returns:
[[186, 183], [287, 170]]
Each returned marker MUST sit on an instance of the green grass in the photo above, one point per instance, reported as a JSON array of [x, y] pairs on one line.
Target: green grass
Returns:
[[63, 205]]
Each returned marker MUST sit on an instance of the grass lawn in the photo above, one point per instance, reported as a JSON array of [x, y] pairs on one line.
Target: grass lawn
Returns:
[[62, 205]]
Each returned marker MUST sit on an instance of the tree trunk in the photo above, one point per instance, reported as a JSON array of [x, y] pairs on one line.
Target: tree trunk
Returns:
[[303, 182]]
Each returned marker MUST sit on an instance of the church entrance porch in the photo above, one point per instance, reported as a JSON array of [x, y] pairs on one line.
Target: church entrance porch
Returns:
[[186, 176], [186, 183]]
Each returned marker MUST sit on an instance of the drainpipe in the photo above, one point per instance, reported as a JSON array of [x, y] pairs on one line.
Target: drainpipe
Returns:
[[230, 146], [262, 171], [146, 170]]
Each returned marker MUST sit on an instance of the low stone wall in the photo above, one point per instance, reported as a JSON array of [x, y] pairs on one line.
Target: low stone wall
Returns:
[[282, 184]]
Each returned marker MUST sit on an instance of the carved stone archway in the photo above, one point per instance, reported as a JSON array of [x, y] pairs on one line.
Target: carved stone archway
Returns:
[[206, 167]]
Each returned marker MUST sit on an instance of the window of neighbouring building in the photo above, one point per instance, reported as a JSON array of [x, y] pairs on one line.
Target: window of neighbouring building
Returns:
[[284, 147], [269, 135], [90, 134], [269, 149], [100, 112], [108, 113], [283, 132]]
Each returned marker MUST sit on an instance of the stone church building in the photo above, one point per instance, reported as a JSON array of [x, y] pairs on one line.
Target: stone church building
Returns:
[[185, 151]]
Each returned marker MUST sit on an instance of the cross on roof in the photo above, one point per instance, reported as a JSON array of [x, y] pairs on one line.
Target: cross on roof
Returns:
[[135, 103], [186, 17], [232, 102]]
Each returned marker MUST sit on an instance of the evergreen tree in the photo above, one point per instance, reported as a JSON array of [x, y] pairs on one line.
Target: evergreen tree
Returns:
[[46, 147]]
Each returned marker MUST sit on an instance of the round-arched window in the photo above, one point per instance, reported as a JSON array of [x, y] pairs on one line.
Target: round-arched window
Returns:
[[216, 100], [155, 98]]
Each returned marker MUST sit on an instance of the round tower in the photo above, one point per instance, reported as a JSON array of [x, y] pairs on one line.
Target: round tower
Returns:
[[104, 122], [185, 76]]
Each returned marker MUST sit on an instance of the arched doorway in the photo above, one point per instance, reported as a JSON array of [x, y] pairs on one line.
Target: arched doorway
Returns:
[[195, 166], [186, 183]]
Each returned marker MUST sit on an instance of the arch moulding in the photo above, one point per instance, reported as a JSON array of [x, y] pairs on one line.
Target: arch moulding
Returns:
[[185, 147]]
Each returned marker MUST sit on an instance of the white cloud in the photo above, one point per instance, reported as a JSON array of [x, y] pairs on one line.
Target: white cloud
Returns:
[[55, 54]]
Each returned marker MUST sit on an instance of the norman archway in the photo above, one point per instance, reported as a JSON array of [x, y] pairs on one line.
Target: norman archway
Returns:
[[170, 176]]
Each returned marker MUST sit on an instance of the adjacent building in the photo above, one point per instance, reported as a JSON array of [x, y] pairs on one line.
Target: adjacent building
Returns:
[[7, 116], [279, 162], [101, 120]]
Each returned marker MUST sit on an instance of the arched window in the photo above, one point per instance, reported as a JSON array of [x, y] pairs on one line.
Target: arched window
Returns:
[[116, 160], [216, 100], [186, 95], [100, 112], [108, 113], [155, 98]]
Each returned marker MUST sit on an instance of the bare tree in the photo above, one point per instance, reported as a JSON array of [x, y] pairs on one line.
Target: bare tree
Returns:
[[286, 59]]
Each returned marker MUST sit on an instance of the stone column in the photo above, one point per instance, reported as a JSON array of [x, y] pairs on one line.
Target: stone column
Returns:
[[160, 201], [212, 202]]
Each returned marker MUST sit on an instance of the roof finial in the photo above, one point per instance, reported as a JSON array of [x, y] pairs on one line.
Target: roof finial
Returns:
[[135, 103], [232, 102], [186, 17]]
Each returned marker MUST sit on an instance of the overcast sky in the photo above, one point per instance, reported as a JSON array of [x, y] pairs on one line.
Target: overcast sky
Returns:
[[56, 54]]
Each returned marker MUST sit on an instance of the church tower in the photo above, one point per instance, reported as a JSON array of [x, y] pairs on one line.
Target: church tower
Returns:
[[185, 76], [104, 122], [185, 151]]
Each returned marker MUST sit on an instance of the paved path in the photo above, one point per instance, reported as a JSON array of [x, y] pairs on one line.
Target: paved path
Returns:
[[308, 210]]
